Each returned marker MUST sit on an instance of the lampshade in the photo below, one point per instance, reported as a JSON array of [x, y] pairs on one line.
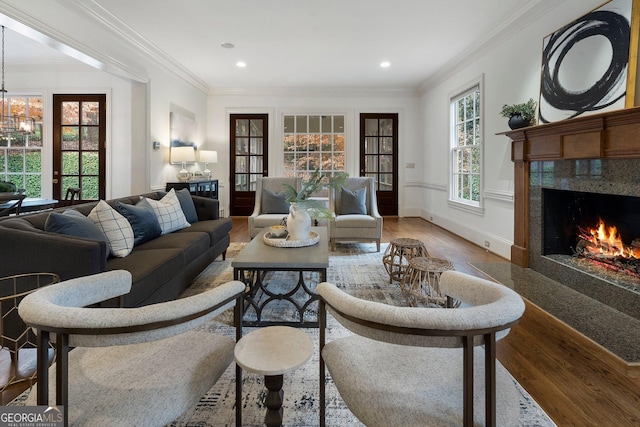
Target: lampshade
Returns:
[[183, 155], [207, 156]]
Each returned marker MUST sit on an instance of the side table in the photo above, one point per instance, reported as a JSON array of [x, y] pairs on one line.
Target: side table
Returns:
[[421, 281], [271, 351], [398, 254]]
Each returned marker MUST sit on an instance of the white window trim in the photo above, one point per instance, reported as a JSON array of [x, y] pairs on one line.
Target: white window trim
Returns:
[[477, 209]]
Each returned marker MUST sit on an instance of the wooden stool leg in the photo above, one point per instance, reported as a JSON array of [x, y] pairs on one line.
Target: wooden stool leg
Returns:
[[273, 400]]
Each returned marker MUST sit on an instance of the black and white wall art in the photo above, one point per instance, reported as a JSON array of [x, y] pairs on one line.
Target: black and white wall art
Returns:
[[586, 64]]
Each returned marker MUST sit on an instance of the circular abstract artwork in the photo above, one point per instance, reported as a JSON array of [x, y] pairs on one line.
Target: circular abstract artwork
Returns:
[[585, 64]]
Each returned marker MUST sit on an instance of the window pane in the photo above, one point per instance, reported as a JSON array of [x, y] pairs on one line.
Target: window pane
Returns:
[[90, 164], [89, 188], [289, 159], [301, 143], [288, 124], [33, 162], [257, 127], [33, 185], [460, 134], [70, 163], [15, 162], [314, 142], [70, 113], [386, 145], [327, 125], [241, 164], [326, 143], [241, 183], [338, 142], [256, 146], [301, 124], [71, 181], [242, 127], [386, 127], [242, 146], [90, 116], [371, 127], [3, 159], [314, 124], [256, 164], [371, 163], [370, 145], [70, 140], [289, 142], [338, 124], [90, 137], [386, 163]]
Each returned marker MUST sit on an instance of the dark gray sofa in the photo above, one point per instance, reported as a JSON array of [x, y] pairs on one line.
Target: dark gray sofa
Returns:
[[161, 268]]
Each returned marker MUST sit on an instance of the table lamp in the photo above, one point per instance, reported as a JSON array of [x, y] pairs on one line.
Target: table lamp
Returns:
[[183, 155], [207, 157]]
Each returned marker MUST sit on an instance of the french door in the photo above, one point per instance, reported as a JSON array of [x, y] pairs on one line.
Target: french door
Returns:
[[249, 141], [79, 135], [379, 157]]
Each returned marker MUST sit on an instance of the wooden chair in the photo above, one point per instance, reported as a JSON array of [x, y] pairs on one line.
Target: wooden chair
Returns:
[[129, 366], [415, 366]]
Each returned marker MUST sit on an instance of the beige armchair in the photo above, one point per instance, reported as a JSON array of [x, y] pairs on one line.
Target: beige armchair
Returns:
[[270, 207], [409, 366], [356, 212], [129, 366]]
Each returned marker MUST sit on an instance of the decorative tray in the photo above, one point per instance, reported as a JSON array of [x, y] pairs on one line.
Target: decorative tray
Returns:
[[285, 242]]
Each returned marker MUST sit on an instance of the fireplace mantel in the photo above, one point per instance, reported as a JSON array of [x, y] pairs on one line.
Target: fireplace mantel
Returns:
[[611, 135]]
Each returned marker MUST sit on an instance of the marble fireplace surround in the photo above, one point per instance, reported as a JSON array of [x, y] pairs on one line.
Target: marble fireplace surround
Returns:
[[594, 154]]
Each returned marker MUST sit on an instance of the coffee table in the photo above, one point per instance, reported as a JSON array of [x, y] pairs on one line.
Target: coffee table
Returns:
[[272, 351], [257, 259]]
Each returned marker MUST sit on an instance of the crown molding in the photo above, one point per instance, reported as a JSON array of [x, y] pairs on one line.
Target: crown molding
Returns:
[[526, 14], [129, 37], [28, 25], [315, 92]]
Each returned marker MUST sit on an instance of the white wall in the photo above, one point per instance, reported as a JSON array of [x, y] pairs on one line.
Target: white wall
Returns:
[[511, 72], [280, 102]]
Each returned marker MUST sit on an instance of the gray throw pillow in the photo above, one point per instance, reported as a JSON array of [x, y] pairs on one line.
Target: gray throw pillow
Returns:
[[73, 223], [274, 203], [186, 203], [143, 220], [353, 202]]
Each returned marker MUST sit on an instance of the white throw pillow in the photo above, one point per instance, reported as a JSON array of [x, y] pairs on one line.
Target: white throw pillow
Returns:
[[115, 227], [169, 213]]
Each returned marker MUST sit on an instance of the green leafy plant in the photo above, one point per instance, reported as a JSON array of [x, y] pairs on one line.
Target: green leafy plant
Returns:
[[527, 110], [316, 182]]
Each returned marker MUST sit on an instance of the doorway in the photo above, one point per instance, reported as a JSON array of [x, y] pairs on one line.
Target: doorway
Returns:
[[249, 147], [79, 135], [379, 157]]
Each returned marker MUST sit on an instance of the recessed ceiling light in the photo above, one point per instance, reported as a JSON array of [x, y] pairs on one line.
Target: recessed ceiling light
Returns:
[[385, 64], [227, 45], [241, 64]]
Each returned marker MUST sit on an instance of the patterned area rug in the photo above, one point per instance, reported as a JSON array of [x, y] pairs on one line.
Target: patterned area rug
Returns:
[[356, 268]]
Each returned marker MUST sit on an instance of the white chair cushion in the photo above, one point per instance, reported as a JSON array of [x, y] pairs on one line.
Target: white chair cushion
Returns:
[[422, 386], [355, 221]]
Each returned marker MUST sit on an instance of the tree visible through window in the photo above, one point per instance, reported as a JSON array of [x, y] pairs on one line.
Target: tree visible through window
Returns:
[[312, 142], [21, 155], [466, 147]]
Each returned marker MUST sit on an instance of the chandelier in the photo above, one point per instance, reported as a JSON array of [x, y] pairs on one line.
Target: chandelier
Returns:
[[11, 124]]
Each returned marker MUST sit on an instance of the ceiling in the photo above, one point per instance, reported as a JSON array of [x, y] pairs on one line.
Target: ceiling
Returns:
[[299, 43]]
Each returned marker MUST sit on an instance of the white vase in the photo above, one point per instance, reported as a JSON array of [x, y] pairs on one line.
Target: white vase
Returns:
[[298, 222]]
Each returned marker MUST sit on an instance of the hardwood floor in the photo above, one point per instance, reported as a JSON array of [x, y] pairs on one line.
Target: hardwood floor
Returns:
[[573, 380]]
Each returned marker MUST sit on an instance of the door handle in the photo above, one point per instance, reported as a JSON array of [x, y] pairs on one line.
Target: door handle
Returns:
[[55, 181]]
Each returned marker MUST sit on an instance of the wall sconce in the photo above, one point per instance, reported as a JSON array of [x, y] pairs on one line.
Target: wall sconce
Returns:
[[207, 157], [156, 145], [183, 155]]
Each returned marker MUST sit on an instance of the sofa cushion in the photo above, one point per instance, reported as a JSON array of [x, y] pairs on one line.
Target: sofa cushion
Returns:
[[143, 220], [115, 226], [169, 212], [188, 208], [191, 244], [353, 201], [73, 223], [274, 203], [217, 229]]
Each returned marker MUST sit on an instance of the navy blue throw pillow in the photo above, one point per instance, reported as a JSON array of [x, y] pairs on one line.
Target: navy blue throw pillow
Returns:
[[143, 220]]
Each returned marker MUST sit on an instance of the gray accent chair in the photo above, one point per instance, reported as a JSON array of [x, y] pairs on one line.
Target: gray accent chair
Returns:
[[409, 366], [260, 219], [128, 366], [355, 227]]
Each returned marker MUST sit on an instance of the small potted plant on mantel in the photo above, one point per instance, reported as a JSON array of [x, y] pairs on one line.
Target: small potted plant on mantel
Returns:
[[520, 115]]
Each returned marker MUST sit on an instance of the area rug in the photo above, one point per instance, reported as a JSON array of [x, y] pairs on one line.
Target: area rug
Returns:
[[358, 269]]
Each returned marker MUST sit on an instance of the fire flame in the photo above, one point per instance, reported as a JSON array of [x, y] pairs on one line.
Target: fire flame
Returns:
[[607, 241]]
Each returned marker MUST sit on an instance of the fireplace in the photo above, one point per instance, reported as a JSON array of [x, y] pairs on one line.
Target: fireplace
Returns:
[[569, 175]]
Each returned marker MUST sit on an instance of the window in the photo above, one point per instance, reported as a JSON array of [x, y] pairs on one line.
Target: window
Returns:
[[21, 155], [466, 147], [312, 142]]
